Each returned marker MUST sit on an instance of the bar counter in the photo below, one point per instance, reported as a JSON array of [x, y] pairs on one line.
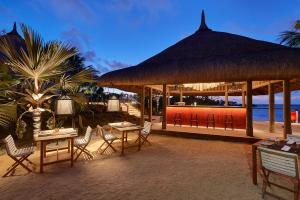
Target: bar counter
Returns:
[[238, 115]]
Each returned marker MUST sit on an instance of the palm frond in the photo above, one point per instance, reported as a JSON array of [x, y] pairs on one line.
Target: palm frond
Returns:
[[38, 60], [290, 38], [8, 113]]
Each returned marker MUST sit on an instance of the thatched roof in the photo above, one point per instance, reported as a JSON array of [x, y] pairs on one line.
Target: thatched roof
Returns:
[[211, 56], [14, 38]]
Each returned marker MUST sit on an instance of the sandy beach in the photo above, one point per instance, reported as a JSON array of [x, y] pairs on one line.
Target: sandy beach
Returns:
[[172, 168]]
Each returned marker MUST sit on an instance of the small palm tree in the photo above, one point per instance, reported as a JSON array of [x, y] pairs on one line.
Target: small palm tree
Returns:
[[291, 38], [41, 68]]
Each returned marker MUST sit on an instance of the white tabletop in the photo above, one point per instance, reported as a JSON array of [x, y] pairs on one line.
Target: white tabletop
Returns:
[[62, 133], [125, 126]]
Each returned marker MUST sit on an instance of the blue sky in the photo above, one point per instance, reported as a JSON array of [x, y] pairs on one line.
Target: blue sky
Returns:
[[112, 34]]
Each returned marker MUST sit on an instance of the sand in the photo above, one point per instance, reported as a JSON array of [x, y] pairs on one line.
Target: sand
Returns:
[[172, 168]]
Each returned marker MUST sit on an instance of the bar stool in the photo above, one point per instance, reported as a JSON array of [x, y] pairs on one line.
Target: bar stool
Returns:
[[210, 120], [228, 121], [194, 120], [177, 119]]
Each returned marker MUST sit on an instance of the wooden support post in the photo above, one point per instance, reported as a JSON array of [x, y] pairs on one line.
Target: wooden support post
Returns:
[[243, 99], [150, 105], [180, 94], [249, 122], [142, 119], [168, 96], [271, 108], [226, 95], [164, 105], [287, 129]]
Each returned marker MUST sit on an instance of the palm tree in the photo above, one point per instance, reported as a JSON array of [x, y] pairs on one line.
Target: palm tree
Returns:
[[291, 38], [42, 70]]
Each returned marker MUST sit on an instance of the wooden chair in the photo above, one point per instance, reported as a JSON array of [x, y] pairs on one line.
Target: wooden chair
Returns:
[[228, 121], [210, 120], [281, 164], [19, 155], [108, 138], [145, 132], [196, 120], [82, 142], [177, 119]]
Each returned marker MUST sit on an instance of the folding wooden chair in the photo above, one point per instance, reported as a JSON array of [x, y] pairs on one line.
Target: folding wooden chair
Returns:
[[19, 155], [145, 132], [108, 138], [82, 142], [282, 164]]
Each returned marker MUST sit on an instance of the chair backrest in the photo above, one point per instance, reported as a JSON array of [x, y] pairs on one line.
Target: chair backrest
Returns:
[[147, 127], [10, 145], [295, 138], [279, 161], [88, 134], [102, 132]]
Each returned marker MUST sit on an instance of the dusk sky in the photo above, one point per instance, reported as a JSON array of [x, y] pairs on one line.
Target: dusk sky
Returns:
[[112, 34]]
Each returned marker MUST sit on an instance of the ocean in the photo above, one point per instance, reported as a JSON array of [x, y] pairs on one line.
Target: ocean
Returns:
[[261, 112]]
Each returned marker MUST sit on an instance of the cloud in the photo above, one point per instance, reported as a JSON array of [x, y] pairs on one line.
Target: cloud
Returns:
[[69, 10], [76, 37], [90, 11], [114, 65]]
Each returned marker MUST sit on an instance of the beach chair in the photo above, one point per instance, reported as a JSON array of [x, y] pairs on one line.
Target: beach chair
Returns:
[[19, 155], [281, 164], [145, 132], [82, 142], [108, 138]]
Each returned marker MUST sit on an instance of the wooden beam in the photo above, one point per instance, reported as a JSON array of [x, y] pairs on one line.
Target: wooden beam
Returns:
[[287, 129], [168, 96], [142, 119], [271, 108], [150, 105], [249, 117], [164, 105], [243, 99], [226, 95], [180, 94]]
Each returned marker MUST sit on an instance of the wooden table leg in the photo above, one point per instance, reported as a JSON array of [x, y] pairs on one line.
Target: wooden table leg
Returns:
[[42, 157], [140, 133], [68, 146], [122, 151], [72, 151], [254, 165]]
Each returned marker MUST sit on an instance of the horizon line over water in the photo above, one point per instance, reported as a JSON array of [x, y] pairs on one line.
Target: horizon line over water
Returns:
[[261, 111]]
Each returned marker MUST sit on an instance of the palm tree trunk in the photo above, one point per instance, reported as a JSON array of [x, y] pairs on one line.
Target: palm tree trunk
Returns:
[[36, 116]]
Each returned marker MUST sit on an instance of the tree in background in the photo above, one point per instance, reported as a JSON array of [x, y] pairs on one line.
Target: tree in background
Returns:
[[291, 38]]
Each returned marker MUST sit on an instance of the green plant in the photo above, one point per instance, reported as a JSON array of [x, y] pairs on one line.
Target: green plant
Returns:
[[292, 37]]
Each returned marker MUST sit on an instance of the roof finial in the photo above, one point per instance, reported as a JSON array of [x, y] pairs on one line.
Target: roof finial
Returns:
[[15, 27], [14, 30], [203, 26]]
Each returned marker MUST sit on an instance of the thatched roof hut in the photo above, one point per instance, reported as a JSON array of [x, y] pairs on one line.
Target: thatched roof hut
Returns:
[[13, 37], [210, 56]]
